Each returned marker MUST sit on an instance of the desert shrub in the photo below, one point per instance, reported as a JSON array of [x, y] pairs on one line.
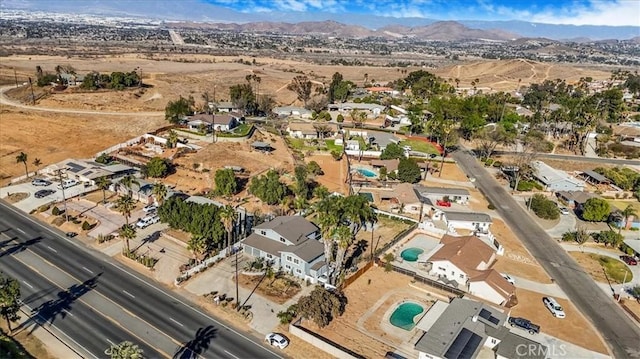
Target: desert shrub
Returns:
[[58, 221], [44, 208], [543, 207], [86, 226], [525, 186], [489, 162], [491, 206], [55, 211], [340, 118], [497, 164], [337, 155]]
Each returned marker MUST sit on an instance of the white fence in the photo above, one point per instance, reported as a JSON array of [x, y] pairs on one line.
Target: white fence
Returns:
[[205, 263], [396, 216]]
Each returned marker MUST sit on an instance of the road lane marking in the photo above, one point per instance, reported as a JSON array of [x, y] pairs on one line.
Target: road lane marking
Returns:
[[127, 293], [87, 270], [144, 281], [20, 230], [53, 250], [27, 284], [110, 342], [68, 312], [226, 351], [175, 321]]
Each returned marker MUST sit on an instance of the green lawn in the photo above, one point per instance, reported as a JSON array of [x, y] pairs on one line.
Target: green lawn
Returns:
[[331, 145], [615, 269], [620, 204], [240, 131], [420, 146]]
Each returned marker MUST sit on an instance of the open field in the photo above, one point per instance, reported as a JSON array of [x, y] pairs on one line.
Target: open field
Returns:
[[621, 205], [603, 269]]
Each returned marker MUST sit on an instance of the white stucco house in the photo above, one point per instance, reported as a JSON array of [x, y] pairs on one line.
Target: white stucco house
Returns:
[[224, 123], [291, 243], [310, 130], [472, 221], [465, 262], [294, 111], [456, 195]]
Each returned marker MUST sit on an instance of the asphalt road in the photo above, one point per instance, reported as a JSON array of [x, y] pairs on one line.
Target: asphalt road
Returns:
[[615, 161], [619, 332], [91, 296]]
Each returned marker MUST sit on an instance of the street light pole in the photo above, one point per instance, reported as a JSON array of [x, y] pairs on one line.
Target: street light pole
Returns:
[[64, 198]]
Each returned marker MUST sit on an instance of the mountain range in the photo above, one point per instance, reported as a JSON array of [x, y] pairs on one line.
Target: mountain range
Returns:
[[198, 11]]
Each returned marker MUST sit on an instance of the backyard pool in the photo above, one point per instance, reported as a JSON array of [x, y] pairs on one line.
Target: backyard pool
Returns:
[[367, 173], [411, 254], [403, 316]]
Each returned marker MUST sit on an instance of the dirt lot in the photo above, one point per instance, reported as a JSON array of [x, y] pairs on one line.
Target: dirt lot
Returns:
[[334, 172], [516, 260], [574, 328], [615, 269], [385, 232], [277, 289]]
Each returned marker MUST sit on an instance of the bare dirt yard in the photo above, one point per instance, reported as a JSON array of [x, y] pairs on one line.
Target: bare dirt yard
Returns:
[[574, 328], [335, 172], [603, 269]]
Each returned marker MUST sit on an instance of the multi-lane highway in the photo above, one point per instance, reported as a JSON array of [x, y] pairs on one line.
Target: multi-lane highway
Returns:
[[618, 331], [91, 301]]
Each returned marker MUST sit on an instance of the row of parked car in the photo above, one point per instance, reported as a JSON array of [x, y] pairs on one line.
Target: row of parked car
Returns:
[[550, 303]]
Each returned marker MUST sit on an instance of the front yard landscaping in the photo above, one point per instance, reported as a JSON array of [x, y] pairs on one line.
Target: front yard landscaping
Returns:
[[603, 269], [420, 146], [279, 288]]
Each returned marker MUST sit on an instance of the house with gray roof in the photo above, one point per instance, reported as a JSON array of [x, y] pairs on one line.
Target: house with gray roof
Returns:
[[473, 221], [291, 243], [457, 195], [462, 328], [555, 180]]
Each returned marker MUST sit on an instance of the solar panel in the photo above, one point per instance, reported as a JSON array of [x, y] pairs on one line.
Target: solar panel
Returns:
[[487, 315], [74, 167], [464, 346]]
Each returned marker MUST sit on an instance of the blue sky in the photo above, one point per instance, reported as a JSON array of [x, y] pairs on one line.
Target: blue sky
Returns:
[[576, 12]]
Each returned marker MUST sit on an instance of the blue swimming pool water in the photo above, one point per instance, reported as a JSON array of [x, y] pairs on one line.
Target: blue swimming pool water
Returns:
[[367, 173], [411, 254], [403, 316]]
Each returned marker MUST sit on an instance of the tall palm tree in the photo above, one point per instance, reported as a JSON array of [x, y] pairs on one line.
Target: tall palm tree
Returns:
[[124, 350], [127, 232], [300, 203], [343, 238], [36, 162], [125, 205], [22, 157], [128, 181], [228, 216], [103, 183], [199, 245], [627, 213], [159, 192]]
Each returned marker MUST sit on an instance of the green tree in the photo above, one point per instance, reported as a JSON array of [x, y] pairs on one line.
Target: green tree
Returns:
[[408, 171], [392, 151], [226, 183], [321, 192], [23, 158], [322, 306], [340, 118], [609, 238], [343, 238], [127, 232], [301, 188], [627, 213], [178, 109], [158, 167], [314, 168], [268, 187], [9, 299], [543, 207], [125, 205], [228, 216], [301, 85], [596, 210], [103, 184], [159, 191], [194, 218], [635, 292], [124, 350], [199, 245], [243, 97]]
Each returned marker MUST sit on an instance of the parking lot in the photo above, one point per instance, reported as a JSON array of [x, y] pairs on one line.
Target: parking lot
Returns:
[[31, 202]]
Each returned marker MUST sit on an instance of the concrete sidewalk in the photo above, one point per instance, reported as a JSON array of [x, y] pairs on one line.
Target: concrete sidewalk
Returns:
[[548, 289]]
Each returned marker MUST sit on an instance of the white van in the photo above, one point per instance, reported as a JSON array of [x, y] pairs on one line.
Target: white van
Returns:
[[67, 183], [147, 221]]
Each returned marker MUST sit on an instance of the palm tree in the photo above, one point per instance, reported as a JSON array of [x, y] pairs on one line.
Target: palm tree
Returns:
[[22, 157], [199, 245], [343, 238], [127, 232], [627, 213], [228, 216], [128, 181], [103, 183], [270, 273], [159, 192], [36, 162], [321, 192], [125, 205], [124, 350]]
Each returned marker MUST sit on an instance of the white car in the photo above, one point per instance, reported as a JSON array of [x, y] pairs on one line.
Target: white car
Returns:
[[67, 183], [147, 221], [508, 278], [150, 208], [277, 340], [39, 182], [564, 211], [553, 307]]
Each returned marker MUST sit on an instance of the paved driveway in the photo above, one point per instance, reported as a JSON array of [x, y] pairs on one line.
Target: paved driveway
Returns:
[[30, 203], [110, 220]]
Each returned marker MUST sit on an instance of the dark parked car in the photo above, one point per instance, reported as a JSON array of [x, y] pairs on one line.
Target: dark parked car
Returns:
[[43, 193], [71, 234], [629, 260], [524, 324]]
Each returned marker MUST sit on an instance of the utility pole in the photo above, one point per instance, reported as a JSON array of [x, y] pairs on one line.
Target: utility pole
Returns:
[[15, 75], [33, 96], [64, 198]]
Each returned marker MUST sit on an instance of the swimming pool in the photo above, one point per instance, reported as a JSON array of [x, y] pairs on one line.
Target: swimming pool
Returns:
[[411, 254], [367, 173], [404, 314]]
